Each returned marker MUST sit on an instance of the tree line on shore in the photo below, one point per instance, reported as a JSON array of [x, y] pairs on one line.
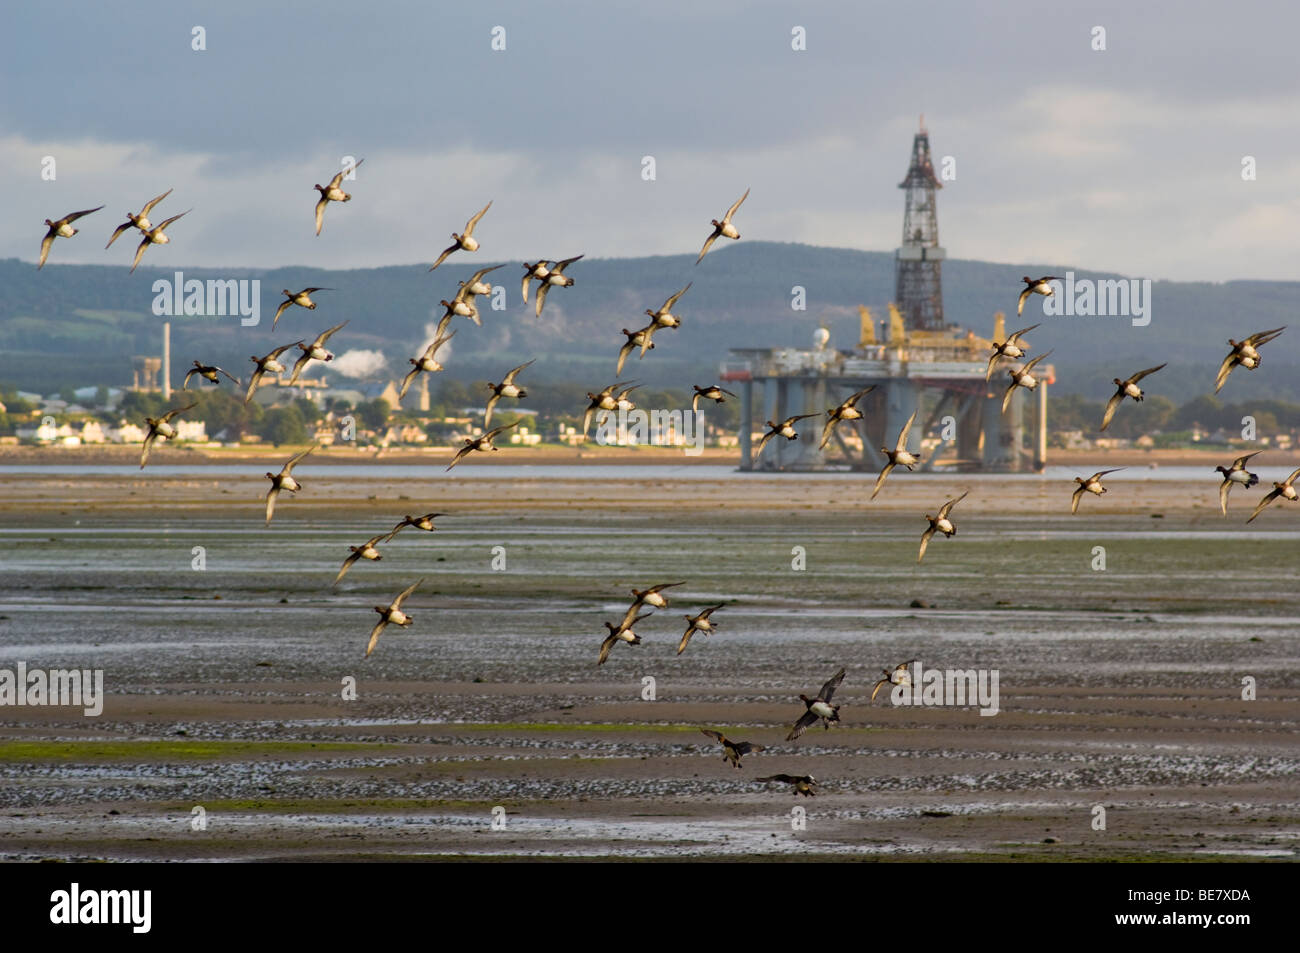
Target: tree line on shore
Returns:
[[562, 402]]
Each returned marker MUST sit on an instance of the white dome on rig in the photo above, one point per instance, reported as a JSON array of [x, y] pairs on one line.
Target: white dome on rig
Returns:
[[821, 337]]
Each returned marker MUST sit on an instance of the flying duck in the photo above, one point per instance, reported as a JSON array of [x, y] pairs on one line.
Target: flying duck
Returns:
[[140, 221], [723, 228], [899, 456], [713, 393], [507, 388], [60, 229], [366, 550], [302, 299], [664, 317], [332, 193], [602, 401], [393, 613], [939, 523], [1283, 489], [1091, 485], [445, 321], [160, 428], [803, 783], [268, 364], [732, 751], [1124, 389], [467, 242], [425, 362], [1040, 286], [1012, 347], [1245, 354], [534, 272], [640, 338], [607, 400], [620, 633], [784, 429], [480, 443], [698, 623], [554, 276], [463, 306], [462, 303], [284, 481], [819, 708], [207, 372], [899, 676], [1022, 377], [845, 411], [466, 291], [313, 352], [622, 401], [155, 236], [1237, 473], [424, 522], [649, 597], [476, 285]]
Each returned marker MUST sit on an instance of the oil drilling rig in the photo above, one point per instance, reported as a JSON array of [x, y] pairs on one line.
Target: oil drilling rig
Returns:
[[917, 362]]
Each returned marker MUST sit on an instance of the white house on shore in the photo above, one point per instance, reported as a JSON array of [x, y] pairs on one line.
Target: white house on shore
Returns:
[[126, 433]]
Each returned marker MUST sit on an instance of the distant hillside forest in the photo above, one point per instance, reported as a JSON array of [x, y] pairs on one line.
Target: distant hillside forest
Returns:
[[1161, 415], [79, 325]]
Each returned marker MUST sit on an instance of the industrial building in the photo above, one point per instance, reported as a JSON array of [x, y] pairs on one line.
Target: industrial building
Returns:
[[917, 362]]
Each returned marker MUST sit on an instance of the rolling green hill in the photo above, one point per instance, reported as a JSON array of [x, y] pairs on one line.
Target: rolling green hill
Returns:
[[80, 324]]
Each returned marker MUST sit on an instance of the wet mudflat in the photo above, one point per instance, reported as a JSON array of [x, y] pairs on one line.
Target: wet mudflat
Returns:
[[1118, 687]]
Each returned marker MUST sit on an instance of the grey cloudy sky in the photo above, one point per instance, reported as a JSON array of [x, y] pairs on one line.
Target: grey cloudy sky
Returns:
[[1126, 160]]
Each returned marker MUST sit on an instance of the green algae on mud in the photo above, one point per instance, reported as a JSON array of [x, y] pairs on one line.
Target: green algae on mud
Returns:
[[983, 858], [631, 727], [145, 750], [332, 805], [1216, 569], [577, 726]]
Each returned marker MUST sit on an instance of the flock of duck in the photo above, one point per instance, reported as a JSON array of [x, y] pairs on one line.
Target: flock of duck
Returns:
[[615, 397], [817, 710], [1243, 353], [547, 274]]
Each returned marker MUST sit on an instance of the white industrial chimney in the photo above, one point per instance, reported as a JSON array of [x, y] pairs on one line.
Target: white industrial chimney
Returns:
[[167, 361]]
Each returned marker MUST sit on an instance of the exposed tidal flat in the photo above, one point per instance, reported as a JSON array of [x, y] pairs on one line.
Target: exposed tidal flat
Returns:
[[1119, 687]]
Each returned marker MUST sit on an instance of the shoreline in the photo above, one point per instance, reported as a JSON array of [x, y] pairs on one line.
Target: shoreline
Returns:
[[593, 455]]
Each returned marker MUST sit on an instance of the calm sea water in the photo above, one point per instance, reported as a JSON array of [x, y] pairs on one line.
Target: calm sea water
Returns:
[[631, 472], [1177, 604]]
